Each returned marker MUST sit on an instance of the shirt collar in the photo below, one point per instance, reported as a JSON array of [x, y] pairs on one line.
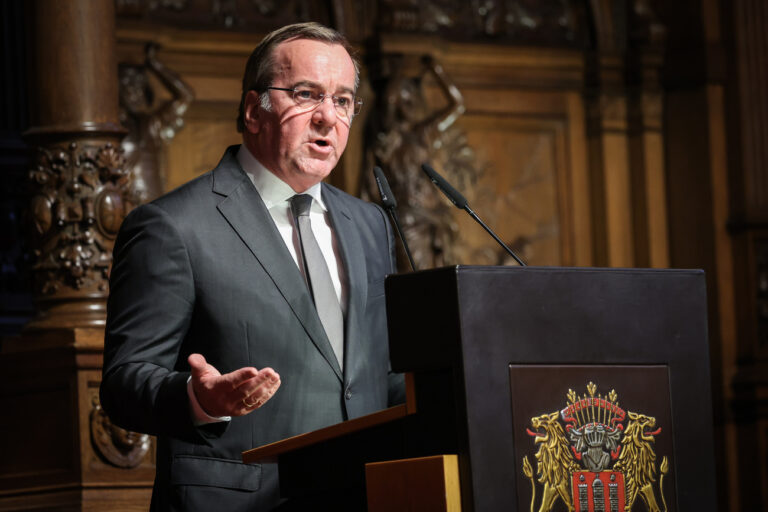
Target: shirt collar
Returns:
[[273, 190]]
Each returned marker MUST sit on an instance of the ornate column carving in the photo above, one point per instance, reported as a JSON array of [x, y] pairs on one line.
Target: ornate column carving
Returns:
[[77, 176]]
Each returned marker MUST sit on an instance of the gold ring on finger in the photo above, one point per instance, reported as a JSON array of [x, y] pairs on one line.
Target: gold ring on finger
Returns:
[[248, 404]]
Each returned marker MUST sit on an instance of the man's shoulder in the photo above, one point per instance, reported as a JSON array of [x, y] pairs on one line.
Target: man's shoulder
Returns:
[[210, 186], [173, 208], [188, 203], [186, 195]]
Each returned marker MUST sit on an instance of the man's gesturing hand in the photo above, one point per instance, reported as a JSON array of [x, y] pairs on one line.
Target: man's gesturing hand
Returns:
[[231, 394]]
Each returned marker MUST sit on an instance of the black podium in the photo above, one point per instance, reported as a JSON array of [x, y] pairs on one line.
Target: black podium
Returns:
[[557, 388]]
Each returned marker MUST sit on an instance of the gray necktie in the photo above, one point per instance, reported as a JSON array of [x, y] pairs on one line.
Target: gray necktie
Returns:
[[318, 277]]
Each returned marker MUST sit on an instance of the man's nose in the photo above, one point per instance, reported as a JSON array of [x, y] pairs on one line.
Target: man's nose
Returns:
[[325, 112]]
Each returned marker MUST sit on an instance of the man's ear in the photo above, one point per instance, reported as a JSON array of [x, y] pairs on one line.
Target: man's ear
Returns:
[[251, 107]]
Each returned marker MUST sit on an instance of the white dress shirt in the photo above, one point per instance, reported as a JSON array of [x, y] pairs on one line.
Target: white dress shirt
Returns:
[[276, 195]]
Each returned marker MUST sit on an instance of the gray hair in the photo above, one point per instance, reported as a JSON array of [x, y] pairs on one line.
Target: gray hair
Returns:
[[260, 69]]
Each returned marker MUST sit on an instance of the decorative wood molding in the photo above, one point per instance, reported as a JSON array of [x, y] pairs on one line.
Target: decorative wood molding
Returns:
[[231, 15], [78, 203], [77, 208], [121, 448], [510, 21]]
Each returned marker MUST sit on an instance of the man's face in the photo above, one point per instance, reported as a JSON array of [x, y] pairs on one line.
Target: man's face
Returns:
[[301, 146]]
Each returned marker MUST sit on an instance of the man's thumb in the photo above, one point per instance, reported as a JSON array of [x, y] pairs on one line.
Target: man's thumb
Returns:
[[197, 363]]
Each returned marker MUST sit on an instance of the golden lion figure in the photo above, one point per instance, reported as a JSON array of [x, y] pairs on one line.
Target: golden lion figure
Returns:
[[554, 461], [638, 461]]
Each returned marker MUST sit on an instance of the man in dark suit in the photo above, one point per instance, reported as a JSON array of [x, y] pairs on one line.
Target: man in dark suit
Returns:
[[216, 294]]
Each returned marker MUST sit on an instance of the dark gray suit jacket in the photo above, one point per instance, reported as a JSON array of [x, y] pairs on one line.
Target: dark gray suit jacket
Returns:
[[204, 269]]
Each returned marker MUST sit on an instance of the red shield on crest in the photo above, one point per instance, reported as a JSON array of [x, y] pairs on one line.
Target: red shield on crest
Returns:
[[598, 491]]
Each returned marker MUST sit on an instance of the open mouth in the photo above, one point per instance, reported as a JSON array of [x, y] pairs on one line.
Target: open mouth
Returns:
[[533, 433]]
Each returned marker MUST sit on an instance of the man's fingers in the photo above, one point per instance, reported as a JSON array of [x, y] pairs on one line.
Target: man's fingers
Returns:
[[265, 378], [255, 378], [235, 393], [242, 376], [260, 389]]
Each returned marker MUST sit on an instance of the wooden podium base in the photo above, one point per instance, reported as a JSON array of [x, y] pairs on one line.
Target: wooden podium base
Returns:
[[424, 484]]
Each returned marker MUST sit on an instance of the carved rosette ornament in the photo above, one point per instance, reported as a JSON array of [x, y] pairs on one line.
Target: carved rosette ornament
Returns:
[[78, 203], [119, 447]]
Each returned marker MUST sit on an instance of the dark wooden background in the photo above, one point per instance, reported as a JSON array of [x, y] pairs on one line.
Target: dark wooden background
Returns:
[[619, 133]]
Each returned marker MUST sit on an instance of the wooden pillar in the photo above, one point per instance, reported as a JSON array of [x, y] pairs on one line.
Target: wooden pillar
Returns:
[[625, 105], [608, 132], [61, 451], [747, 296], [77, 171], [646, 156], [649, 179]]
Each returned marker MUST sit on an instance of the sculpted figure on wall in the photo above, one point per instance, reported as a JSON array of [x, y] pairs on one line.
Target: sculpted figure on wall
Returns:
[[412, 131], [150, 126]]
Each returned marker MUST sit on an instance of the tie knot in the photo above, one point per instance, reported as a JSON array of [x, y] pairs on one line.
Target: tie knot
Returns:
[[300, 204]]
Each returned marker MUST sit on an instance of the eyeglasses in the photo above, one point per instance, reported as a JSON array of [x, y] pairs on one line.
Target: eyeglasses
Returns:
[[347, 105]]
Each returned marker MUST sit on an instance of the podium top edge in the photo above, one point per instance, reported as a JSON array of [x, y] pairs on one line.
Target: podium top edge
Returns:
[[458, 269]]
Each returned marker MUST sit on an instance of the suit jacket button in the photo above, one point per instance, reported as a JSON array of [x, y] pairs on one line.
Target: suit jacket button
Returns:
[[348, 394]]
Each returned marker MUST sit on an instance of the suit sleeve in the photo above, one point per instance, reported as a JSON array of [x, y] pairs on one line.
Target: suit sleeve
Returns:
[[148, 315]]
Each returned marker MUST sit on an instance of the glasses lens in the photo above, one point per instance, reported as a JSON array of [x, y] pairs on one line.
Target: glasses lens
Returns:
[[346, 105], [306, 97]]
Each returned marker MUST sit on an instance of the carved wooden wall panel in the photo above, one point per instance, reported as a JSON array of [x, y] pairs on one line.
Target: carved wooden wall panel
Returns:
[[231, 15], [552, 23], [526, 173], [540, 168], [200, 146], [50, 402], [529, 148], [212, 66], [112, 456]]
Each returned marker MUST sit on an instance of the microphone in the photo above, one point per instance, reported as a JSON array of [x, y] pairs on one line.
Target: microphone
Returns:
[[387, 197], [390, 204], [460, 202]]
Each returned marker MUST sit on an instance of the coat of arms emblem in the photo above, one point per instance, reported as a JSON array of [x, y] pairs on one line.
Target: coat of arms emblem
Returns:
[[596, 457]]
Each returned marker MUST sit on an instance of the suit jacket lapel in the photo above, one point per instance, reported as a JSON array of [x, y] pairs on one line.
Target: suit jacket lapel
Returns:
[[245, 211], [351, 249]]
